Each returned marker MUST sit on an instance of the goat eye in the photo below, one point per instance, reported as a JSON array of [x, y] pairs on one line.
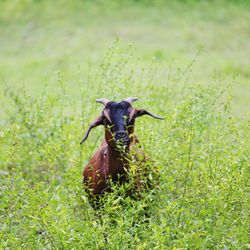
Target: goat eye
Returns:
[[107, 122]]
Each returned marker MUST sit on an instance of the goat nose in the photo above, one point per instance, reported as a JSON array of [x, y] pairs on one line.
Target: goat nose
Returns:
[[121, 135]]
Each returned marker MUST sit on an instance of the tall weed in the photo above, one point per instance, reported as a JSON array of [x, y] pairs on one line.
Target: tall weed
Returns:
[[202, 154]]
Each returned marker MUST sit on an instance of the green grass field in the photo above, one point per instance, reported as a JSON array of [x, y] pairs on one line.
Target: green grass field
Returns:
[[187, 61]]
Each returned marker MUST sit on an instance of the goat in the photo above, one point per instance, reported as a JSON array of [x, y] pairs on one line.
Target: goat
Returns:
[[111, 161]]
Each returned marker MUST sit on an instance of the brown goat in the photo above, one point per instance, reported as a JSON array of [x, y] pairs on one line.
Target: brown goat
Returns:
[[111, 161]]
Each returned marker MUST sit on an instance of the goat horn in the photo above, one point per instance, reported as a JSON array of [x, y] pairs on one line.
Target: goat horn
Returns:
[[131, 99], [103, 101]]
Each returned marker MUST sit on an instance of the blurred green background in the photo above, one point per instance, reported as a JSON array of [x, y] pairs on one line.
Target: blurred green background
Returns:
[[38, 39], [184, 60]]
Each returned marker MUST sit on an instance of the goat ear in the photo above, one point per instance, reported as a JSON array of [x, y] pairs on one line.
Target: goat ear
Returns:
[[141, 112], [98, 121]]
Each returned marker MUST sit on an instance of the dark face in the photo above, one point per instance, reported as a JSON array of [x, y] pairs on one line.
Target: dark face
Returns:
[[118, 123], [118, 119]]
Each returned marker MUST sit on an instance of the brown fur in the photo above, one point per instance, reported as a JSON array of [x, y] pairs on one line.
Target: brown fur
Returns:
[[107, 163]]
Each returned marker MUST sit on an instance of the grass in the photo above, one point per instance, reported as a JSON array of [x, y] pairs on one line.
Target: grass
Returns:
[[201, 148]]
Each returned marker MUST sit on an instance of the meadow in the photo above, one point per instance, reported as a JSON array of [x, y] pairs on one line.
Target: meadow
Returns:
[[187, 61]]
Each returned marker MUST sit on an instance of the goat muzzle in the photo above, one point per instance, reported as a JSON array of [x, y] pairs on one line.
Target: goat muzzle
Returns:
[[122, 137]]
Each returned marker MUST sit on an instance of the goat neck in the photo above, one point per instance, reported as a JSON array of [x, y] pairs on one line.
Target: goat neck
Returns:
[[118, 163]]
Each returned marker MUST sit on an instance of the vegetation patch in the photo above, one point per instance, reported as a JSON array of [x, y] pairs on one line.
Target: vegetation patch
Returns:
[[200, 153]]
